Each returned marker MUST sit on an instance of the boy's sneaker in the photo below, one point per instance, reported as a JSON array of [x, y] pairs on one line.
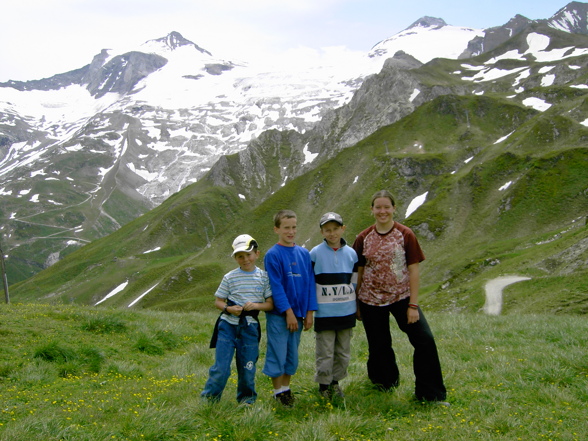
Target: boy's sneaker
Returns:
[[285, 398], [326, 392], [336, 391]]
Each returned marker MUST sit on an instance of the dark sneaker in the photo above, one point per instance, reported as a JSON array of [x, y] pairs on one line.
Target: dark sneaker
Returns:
[[326, 393], [285, 398], [336, 391]]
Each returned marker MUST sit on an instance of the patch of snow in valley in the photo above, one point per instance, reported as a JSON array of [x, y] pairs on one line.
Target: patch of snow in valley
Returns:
[[145, 174], [308, 156], [524, 74], [505, 186], [142, 295], [503, 138], [537, 104], [416, 203], [151, 251], [115, 291], [492, 74], [547, 80]]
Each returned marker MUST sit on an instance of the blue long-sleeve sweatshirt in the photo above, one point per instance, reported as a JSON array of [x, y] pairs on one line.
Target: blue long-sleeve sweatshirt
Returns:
[[292, 279]]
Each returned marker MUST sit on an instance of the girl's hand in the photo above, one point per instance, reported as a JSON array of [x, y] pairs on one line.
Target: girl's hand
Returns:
[[412, 315]]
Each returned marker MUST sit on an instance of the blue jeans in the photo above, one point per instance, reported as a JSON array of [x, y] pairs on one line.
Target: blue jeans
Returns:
[[381, 365], [282, 346], [243, 339]]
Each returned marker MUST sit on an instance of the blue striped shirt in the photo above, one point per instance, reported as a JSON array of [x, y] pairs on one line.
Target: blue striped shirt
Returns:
[[241, 287]]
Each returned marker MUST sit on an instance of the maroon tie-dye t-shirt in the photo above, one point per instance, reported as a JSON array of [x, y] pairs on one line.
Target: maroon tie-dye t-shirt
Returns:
[[385, 258]]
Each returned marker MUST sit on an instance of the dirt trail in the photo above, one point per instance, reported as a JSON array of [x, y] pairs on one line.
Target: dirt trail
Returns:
[[494, 288]]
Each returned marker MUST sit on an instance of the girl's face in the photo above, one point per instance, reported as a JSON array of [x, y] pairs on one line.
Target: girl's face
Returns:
[[383, 210]]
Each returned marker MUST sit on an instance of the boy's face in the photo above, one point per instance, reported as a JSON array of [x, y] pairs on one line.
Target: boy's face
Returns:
[[286, 231], [332, 232], [246, 259]]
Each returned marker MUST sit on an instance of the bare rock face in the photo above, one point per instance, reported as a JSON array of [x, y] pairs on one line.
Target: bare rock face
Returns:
[[494, 37], [122, 73], [572, 18]]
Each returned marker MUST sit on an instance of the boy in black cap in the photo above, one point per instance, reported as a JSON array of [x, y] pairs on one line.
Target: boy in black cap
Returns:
[[333, 262]]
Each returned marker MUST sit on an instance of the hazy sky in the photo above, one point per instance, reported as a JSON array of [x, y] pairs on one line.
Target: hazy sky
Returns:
[[40, 38]]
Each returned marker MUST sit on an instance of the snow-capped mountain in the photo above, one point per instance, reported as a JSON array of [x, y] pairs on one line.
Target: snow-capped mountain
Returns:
[[432, 38], [86, 151]]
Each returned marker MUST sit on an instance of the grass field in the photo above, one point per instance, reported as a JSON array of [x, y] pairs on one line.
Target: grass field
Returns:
[[81, 373]]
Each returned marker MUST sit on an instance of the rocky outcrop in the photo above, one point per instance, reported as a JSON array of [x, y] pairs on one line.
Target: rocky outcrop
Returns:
[[122, 73], [494, 37]]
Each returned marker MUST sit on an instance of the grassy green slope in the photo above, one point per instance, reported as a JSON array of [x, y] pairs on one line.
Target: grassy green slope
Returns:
[[85, 374]]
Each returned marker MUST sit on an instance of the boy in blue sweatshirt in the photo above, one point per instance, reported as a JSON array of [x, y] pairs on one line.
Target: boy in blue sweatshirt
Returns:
[[333, 261], [292, 282]]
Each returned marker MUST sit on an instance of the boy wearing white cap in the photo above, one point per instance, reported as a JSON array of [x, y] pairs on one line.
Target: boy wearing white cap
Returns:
[[242, 293], [333, 261]]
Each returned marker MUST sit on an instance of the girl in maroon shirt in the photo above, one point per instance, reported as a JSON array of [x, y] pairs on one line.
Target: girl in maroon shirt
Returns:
[[388, 283]]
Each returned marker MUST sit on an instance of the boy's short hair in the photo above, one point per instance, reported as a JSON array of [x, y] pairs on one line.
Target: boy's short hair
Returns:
[[245, 243], [331, 217], [283, 214]]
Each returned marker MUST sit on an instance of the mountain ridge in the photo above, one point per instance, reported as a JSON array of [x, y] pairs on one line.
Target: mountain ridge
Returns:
[[122, 191]]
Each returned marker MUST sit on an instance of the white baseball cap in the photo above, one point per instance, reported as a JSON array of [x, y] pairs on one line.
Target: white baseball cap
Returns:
[[244, 242]]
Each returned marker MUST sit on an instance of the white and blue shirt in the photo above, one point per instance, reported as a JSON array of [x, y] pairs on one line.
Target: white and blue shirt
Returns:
[[335, 293], [241, 287]]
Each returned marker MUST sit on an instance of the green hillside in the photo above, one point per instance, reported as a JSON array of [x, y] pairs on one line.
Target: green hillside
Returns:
[[517, 206]]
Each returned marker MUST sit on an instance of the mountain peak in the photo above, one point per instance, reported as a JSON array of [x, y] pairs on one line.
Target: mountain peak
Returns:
[[428, 22], [173, 41], [571, 18]]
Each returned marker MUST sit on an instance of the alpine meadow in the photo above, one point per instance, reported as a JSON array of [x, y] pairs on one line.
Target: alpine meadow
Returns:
[[490, 152]]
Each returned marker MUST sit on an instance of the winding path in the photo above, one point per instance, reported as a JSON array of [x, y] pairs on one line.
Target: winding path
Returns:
[[494, 288]]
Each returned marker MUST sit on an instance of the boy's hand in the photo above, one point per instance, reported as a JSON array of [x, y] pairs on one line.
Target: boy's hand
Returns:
[[249, 306], [291, 321], [235, 310], [308, 320]]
